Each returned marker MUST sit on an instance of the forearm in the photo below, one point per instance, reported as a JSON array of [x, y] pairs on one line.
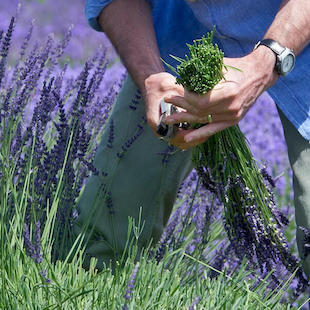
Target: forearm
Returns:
[[291, 26], [129, 26], [291, 29]]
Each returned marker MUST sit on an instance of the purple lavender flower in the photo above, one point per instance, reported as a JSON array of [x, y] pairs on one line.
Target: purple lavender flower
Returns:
[[167, 238], [33, 250], [267, 177], [43, 273], [220, 257], [98, 74], [194, 303], [130, 286], [5, 48], [268, 143], [26, 42], [35, 66], [306, 241], [90, 166]]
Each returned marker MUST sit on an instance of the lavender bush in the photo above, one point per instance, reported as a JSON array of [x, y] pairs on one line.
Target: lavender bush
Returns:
[[42, 116]]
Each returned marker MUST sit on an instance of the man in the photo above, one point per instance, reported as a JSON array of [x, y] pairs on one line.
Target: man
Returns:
[[132, 175]]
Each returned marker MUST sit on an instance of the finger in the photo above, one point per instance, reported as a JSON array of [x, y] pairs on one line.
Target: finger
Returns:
[[193, 97], [180, 102], [225, 91], [229, 107], [201, 134], [178, 140], [195, 103], [191, 118]]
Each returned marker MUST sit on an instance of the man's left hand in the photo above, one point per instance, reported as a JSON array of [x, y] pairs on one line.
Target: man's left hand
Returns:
[[228, 102]]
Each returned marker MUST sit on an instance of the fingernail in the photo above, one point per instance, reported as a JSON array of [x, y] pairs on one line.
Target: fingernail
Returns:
[[188, 139], [169, 121]]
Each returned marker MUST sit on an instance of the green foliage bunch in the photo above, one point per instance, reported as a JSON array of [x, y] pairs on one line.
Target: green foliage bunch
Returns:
[[202, 69]]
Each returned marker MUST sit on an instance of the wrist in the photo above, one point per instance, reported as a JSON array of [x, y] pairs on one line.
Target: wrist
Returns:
[[143, 74], [265, 61]]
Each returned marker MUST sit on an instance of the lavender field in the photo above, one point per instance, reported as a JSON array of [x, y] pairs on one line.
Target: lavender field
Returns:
[[58, 82]]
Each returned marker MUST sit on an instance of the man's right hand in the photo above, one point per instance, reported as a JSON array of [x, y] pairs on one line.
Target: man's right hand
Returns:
[[156, 87]]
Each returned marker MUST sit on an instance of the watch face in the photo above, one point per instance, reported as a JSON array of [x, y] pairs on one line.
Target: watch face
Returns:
[[288, 63]]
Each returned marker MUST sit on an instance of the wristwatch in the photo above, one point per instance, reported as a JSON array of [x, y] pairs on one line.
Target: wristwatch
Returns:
[[285, 57]]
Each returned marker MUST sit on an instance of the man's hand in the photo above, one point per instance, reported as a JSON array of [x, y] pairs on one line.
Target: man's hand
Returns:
[[228, 102], [156, 87]]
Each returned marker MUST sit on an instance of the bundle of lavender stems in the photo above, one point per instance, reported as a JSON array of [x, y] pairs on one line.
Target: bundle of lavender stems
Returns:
[[226, 167]]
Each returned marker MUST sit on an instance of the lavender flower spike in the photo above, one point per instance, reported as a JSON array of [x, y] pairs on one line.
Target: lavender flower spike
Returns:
[[33, 250], [130, 285], [195, 302], [43, 273], [306, 241]]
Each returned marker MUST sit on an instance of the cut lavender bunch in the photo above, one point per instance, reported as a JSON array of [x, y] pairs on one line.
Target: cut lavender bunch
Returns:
[[227, 169]]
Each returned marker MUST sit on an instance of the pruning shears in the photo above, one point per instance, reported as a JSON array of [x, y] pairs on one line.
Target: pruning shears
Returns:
[[168, 131]]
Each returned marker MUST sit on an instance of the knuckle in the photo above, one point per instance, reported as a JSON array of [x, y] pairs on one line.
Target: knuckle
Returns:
[[234, 110], [160, 82], [163, 85], [149, 82], [201, 104]]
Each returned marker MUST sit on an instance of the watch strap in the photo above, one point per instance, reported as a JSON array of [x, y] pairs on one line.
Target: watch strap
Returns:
[[277, 48], [281, 54]]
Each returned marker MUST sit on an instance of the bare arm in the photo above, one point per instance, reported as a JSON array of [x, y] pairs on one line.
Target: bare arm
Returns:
[[291, 26], [129, 26]]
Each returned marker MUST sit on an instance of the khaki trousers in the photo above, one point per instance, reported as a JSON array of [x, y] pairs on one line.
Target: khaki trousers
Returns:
[[138, 172], [299, 157]]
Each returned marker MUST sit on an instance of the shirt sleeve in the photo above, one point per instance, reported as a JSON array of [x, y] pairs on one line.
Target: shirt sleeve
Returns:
[[92, 10]]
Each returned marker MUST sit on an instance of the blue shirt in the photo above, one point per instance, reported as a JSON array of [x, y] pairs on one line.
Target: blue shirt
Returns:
[[239, 26]]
